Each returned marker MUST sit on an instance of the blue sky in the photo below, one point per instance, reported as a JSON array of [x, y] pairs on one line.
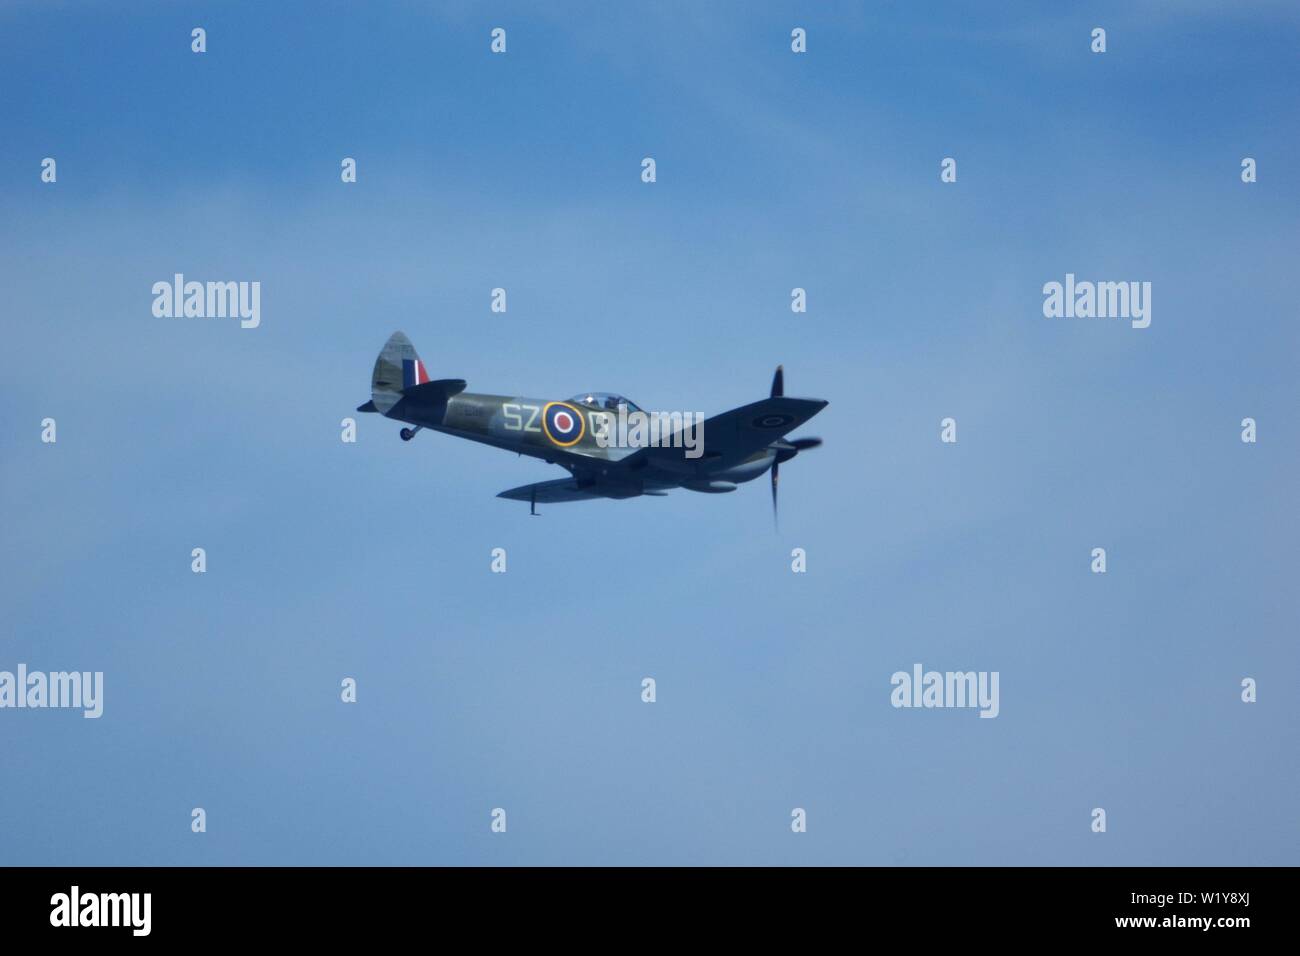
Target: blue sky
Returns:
[[478, 690]]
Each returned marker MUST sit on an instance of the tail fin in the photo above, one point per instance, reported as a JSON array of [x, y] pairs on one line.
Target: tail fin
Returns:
[[400, 374], [397, 368]]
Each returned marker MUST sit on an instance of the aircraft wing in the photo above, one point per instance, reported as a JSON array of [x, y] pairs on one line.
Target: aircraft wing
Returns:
[[568, 489], [737, 434]]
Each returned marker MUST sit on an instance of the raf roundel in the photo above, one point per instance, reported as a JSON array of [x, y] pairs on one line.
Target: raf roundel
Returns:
[[773, 421], [563, 424]]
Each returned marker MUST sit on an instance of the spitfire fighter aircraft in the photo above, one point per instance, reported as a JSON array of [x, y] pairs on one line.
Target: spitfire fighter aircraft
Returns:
[[733, 447]]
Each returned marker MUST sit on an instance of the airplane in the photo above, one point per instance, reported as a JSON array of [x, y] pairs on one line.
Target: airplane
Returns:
[[733, 447]]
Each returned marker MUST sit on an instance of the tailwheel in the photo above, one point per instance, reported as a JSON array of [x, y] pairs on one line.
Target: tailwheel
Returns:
[[408, 433]]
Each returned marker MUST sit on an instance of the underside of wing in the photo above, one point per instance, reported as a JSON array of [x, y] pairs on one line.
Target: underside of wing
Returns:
[[568, 489]]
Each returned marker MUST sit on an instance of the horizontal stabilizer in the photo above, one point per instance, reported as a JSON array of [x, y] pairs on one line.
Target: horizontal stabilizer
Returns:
[[436, 391], [368, 407], [426, 404]]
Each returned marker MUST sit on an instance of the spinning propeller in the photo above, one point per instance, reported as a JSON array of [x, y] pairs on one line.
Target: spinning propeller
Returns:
[[785, 450]]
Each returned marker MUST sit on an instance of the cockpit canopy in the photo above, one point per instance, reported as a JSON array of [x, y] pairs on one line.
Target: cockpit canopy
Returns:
[[604, 400]]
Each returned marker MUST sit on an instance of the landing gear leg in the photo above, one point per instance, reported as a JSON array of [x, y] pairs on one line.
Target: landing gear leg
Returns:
[[409, 433], [532, 504]]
